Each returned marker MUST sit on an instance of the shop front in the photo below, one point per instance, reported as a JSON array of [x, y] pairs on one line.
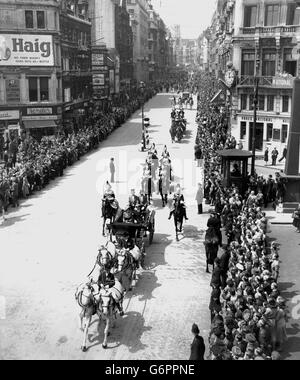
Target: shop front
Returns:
[[9, 125], [41, 121], [271, 132]]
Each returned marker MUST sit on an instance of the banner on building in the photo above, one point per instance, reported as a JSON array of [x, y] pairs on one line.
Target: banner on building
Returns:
[[26, 50], [98, 79], [97, 59]]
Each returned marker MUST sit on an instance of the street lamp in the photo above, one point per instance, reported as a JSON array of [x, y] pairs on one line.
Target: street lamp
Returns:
[[255, 102], [142, 89]]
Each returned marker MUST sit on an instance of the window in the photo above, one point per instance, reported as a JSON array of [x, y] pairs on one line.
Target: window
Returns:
[[290, 64], [33, 89], [272, 15], [293, 15], [244, 99], [243, 130], [250, 16], [269, 64], [285, 103], [248, 59], [284, 134], [44, 89], [269, 132], [270, 102], [276, 134], [251, 102], [40, 17], [261, 102], [29, 19], [38, 89]]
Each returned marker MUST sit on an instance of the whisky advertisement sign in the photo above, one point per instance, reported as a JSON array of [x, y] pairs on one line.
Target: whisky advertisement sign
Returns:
[[26, 50]]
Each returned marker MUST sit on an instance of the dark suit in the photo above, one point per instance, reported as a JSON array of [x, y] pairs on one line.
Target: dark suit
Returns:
[[197, 348]]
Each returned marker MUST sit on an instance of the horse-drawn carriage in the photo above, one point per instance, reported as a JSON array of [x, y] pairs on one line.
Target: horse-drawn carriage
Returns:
[[137, 232]]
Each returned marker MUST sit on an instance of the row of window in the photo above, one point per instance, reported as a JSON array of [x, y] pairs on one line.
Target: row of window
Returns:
[[273, 134], [35, 19], [72, 34], [272, 15], [265, 103], [268, 63]]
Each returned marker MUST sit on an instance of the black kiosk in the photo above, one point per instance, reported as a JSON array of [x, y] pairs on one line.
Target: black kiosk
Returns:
[[235, 168]]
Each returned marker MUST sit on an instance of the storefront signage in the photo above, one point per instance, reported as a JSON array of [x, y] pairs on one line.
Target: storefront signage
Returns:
[[39, 111], [98, 80], [9, 115], [249, 118], [26, 50], [12, 87], [53, 117], [283, 82], [97, 59]]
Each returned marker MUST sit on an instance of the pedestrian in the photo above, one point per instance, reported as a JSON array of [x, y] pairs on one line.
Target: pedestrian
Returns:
[[112, 170], [266, 156], [284, 154], [199, 198], [275, 154], [198, 346], [240, 145]]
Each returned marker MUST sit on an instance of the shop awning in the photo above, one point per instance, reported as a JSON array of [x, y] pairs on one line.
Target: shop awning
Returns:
[[32, 124]]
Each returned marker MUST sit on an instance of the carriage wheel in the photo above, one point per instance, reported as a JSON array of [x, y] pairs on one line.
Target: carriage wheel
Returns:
[[151, 232]]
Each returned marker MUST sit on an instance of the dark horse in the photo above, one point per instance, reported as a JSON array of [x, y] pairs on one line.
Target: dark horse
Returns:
[[179, 213], [109, 213], [212, 241]]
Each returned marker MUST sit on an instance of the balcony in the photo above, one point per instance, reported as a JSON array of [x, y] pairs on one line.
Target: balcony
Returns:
[[280, 81], [271, 31]]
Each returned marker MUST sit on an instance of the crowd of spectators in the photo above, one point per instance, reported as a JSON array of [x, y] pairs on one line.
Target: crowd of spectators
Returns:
[[248, 314], [29, 165]]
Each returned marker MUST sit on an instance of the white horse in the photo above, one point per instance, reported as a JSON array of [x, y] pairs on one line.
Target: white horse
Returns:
[[105, 304]]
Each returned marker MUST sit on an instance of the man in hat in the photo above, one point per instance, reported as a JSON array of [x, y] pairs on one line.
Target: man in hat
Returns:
[[198, 346]]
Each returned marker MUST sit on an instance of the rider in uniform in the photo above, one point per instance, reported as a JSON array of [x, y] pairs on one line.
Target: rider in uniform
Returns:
[[110, 196], [106, 281], [178, 197]]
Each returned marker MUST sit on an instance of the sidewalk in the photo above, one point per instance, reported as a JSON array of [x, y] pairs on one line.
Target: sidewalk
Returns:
[[278, 218], [278, 167]]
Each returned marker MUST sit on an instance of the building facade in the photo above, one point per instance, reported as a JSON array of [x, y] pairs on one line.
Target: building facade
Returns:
[[139, 16], [261, 39], [124, 42], [30, 66], [75, 27]]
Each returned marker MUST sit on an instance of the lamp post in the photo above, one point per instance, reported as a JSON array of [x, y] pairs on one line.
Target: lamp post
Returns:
[[142, 89], [255, 102]]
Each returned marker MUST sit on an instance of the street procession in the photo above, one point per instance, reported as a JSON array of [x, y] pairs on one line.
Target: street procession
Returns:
[[149, 207]]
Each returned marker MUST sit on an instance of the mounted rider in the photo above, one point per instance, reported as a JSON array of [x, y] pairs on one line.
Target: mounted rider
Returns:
[[178, 198], [107, 282], [109, 196]]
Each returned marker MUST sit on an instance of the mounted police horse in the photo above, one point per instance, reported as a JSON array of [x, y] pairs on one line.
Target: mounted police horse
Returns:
[[212, 242]]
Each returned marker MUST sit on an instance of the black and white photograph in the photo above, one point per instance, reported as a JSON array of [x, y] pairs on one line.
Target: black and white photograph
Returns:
[[149, 182]]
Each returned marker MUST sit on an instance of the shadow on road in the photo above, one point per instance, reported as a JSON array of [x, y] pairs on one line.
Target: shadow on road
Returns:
[[121, 335], [13, 220]]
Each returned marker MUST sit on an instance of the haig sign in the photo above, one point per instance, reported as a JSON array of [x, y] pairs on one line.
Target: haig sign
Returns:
[[26, 50]]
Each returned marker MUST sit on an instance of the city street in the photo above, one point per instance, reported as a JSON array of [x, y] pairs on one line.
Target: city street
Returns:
[[49, 245]]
